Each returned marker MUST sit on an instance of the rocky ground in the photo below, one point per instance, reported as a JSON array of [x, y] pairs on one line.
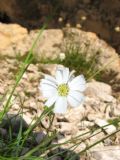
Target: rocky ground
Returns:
[[102, 103], [100, 17], [100, 106]]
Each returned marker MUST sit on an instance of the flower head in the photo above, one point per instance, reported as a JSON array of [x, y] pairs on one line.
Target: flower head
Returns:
[[62, 90]]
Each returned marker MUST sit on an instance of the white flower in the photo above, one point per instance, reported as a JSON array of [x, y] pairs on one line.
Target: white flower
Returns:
[[63, 89], [62, 56]]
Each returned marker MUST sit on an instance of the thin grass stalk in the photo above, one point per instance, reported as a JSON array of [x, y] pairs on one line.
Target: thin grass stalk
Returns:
[[101, 69], [94, 144], [20, 74]]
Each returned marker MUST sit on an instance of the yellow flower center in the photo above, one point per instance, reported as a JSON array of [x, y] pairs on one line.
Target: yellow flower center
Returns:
[[63, 90]]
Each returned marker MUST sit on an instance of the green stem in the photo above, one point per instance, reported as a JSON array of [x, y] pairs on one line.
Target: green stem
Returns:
[[77, 138], [20, 74], [94, 144], [38, 121], [101, 69], [101, 140], [45, 142]]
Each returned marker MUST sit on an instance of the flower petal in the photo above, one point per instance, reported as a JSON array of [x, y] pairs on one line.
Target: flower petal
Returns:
[[71, 75], [46, 87], [75, 98], [49, 93], [48, 82], [65, 75], [78, 83], [59, 75], [50, 78], [60, 105], [51, 101]]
